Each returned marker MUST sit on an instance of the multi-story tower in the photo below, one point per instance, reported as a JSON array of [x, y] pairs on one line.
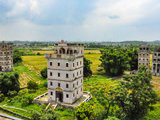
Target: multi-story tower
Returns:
[[65, 73], [156, 62], [6, 57], [144, 56]]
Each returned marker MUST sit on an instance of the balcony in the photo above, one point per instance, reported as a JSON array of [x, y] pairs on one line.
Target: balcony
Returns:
[[61, 56]]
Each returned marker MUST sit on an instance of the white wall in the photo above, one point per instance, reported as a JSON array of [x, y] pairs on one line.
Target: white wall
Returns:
[[63, 64]]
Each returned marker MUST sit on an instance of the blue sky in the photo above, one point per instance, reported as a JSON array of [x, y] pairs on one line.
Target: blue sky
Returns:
[[80, 20]]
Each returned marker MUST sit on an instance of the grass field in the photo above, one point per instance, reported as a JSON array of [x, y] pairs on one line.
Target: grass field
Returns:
[[94, 58], [26, 75], [35, 63]]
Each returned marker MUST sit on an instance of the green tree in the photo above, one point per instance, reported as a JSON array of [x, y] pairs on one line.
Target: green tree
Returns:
[[17, 57], [44, 115], [114, 61], [85, 111], [135, 95], [87, 69], [9, 82], [133, 58], [1, 96], [32, 85], [44, 73], [27, 100], [38, 53]]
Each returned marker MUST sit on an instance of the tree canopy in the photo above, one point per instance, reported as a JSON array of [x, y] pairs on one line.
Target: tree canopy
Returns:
[[9, 82], [87, 69], [44, 73], [17, 57], [135, 95], [114, 61]]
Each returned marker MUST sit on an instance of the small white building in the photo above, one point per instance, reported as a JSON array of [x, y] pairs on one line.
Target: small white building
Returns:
[[65, 73]]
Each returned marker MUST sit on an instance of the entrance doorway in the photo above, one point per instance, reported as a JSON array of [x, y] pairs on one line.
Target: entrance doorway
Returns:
[[59, 95]]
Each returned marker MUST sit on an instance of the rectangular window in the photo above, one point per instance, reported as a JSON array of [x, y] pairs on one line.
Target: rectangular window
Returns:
[[59, 74], [80, 72], [67, 85], [80, 62], [66, 64], [59, 85], [73, 75], [81, 89], [58, 64], [77, 73], [73, 94], [66, 75], [77, 91], [50, 73], [67, 96], [77, 82], [51, 93], [73, 85], [50, 83], [50, 63], [73, 64], [77, 63], [81, 80]]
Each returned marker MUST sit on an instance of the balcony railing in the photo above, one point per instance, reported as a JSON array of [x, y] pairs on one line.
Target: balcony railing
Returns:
[[62, 56]]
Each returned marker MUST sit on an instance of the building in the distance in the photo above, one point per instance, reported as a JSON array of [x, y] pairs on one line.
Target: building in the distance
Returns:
[[65, 73], [6, 57], [144, 56], [156, 62]]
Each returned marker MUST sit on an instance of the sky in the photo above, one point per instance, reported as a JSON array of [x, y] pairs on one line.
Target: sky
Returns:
[[80, 20]]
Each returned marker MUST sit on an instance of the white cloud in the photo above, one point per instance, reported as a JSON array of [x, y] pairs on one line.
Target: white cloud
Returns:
[[127, 11], [33, 6]]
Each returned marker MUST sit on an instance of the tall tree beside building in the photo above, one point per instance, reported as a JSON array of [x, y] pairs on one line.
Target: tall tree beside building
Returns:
[[86, 67], [17, 57], [133, 58], [114, 61], [135, 95]]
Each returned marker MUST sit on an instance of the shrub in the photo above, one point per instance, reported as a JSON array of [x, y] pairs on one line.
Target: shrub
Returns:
[[12, 93], [44, 73], [38, 53], [27, 100], [32, 85], [1, 97], [17, 57], [85, 112], [87, 69], [45, 84]]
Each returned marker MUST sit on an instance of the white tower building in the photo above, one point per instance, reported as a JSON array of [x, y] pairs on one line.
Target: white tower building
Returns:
[[65, 73]]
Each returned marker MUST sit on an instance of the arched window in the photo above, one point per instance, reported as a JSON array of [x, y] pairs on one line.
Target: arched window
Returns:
[[75, 51], [71, 51], [62, 51]]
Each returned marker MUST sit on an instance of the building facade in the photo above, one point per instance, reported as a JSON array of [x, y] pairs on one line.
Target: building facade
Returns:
[[6, 57], [65, 73], [156, 62], [144, 56]]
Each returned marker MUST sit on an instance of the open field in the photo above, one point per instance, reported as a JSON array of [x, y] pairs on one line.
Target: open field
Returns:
[[35, 63], [26, 75], [94, 58]]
